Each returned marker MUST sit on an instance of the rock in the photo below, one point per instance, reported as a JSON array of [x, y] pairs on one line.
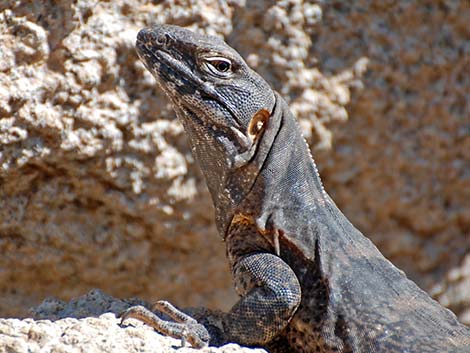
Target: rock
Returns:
[[98, 188], [89, 324]]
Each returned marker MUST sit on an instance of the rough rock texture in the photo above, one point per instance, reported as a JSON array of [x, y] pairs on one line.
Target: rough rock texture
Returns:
[[97, 184], [88, 324]]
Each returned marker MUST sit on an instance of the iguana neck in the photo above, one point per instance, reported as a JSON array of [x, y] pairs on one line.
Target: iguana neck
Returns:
[[287, 177]]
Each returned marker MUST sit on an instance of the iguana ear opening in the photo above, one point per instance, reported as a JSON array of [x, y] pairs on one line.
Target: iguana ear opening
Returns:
[[256, 127], [258, 124]]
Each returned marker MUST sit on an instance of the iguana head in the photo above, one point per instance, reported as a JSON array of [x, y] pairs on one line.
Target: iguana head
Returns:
[[225, 107]]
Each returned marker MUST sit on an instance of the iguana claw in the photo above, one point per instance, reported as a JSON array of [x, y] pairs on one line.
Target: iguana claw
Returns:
[[185, 328]]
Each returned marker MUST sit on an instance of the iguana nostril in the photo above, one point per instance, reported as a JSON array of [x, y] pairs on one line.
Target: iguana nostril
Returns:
[[161, 38], [151, 37]]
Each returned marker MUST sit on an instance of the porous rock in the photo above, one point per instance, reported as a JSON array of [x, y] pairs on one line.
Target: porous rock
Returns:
[[98, 188], [90, 324]]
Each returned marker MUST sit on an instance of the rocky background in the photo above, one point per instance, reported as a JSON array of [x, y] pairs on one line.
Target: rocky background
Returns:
[[98, 188]]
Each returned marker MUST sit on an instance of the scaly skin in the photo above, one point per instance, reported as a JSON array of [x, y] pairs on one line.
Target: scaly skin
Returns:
[[308, 280]]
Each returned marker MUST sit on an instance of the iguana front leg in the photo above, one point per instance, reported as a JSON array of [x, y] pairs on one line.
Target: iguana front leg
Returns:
[[270, 296]]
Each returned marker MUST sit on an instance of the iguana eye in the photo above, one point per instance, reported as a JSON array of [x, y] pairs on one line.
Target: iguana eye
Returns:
[[219, 65]]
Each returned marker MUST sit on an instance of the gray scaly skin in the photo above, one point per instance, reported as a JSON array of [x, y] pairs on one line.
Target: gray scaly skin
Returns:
[[308, 280]]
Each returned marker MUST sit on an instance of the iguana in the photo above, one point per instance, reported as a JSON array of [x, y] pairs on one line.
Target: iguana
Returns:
[[308, 280]]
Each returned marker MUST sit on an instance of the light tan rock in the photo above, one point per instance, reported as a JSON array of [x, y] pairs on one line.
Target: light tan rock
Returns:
[[88, 324], [98, 188]]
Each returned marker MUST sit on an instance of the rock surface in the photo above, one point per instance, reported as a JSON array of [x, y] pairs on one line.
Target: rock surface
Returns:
[[88, 324], [97, 184]]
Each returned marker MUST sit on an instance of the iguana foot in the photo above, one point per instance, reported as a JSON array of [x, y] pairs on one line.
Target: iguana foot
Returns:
[[185, 328]]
